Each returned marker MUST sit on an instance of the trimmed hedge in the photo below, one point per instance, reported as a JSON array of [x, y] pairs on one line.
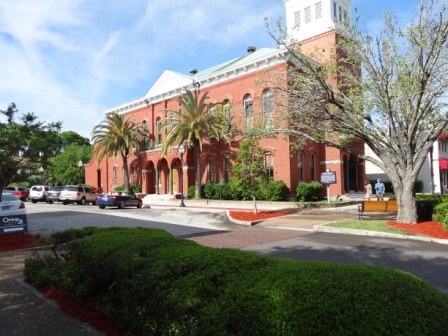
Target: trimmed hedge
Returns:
[[155, 284]]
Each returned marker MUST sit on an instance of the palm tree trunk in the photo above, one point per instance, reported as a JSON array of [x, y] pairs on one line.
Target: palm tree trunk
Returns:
[[197, 160], [126, 173]]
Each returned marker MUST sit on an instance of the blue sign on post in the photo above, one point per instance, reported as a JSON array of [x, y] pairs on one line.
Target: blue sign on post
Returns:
[[328, 177]]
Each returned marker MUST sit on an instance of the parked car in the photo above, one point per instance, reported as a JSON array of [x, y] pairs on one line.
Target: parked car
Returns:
[[13, 214], [53, 194], [11, 205], [21, 193], [120, 201], [79, 194], [38, 193]]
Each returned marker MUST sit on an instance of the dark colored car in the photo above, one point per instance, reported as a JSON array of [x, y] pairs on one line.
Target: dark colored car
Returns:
[[21, 193], [53, 194], [120, 201]]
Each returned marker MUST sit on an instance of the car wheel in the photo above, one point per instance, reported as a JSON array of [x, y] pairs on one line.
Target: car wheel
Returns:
[[102, 207], [50, 201], [122, 205], [139, 204], [64, 202], [82, 201], [34, 201], [26, 199]]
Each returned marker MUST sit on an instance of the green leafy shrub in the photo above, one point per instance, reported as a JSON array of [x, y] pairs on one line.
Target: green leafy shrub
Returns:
[[272, 191], [155, 284], [133, 189], [191, 192], [441, 214], [308, 192], [240, 189]]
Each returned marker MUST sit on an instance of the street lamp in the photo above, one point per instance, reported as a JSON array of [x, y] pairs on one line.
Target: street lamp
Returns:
[[181, 152], [41, 154], [80, 174], [41, 169]]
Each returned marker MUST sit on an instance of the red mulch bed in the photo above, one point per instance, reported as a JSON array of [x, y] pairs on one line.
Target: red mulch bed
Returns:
[[250, 216], [17, 241], [83, 311], [430, 229]]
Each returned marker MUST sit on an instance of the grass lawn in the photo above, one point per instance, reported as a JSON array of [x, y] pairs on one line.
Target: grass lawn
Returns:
[[370, 225]]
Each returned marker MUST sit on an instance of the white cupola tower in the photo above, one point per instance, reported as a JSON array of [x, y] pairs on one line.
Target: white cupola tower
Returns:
[[309, 18]]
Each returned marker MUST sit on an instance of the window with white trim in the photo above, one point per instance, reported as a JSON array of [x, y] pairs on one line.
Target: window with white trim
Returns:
[[267, 107], [248, 110], [227, 165], [269, 164]]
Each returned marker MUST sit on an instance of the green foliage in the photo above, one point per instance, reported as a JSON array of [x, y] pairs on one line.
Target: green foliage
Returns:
[[270, 190], [133, 189], [155, 284], [441, 214], [64, 167], [308, 192], [240, 188], [29, 136], [191, 192], [418, 186]]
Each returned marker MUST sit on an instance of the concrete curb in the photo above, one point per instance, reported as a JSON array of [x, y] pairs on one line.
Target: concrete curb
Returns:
[[329, 229]]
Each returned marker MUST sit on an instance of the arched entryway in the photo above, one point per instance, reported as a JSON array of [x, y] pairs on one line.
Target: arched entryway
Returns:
[[352, 173]]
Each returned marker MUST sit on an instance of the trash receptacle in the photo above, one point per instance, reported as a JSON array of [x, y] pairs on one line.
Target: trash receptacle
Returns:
[[424, 211]]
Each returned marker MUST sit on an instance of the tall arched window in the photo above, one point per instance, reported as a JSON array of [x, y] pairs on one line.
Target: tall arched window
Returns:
[[313, 167], [211, 171], [227, 169], [269, 164], [267, 107], [115, 176], [301, 166], [248, 110], [159, 135]]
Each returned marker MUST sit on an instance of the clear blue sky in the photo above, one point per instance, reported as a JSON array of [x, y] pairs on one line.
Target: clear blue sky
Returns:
[[70, 60]]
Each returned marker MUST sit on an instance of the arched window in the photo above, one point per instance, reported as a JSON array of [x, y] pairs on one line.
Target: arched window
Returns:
[[211, 171], [301, 166], [211, 109], [248, 110], [159, 135], [267, 107], [227, 165], [313, 167], [115, 176], [133, 174], [269, 164]]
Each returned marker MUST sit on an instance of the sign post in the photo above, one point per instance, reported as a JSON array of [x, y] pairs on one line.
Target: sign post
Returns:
[[328, 177]]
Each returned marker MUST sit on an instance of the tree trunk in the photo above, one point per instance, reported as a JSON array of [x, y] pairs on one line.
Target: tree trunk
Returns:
[[126, 174], [197, 161], [407, 208]]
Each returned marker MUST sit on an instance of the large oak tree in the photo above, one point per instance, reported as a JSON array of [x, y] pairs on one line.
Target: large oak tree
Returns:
[[390, 93]]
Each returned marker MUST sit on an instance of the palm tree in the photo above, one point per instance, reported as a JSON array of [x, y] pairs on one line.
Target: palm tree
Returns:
[[192, 123], [117, 136]]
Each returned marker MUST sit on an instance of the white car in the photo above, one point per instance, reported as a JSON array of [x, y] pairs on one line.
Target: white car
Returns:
[[12, 214], [38, 193]]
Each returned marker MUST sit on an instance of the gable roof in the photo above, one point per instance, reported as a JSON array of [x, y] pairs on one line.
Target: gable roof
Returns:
[[171, 83]]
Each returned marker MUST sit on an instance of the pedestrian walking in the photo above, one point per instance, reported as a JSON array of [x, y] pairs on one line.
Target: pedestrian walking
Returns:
[[368, 190], [379, 190]]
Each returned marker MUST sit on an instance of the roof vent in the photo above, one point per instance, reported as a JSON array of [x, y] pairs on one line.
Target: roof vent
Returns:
[[251, 49], [193, 72]]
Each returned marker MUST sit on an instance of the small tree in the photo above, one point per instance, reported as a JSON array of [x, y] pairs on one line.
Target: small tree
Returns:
[[249, 165]]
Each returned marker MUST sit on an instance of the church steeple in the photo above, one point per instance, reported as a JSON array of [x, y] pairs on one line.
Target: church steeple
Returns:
[[309, 18]]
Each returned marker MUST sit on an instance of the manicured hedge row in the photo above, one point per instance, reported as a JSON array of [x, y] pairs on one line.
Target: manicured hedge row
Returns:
[[155, 284]]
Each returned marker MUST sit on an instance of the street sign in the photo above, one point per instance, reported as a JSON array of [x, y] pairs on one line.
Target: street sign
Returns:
[[328, 177]]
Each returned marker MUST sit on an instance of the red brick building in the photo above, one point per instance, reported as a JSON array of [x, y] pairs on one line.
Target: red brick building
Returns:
[[234, 84]]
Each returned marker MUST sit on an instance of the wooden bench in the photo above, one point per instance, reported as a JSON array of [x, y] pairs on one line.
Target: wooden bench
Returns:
[[377, 206]]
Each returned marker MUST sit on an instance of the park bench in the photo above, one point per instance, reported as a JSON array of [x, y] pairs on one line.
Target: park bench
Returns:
[[377, 206]]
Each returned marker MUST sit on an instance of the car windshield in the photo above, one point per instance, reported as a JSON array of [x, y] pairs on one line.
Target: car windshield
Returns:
[[37, 188], [8, 197]]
